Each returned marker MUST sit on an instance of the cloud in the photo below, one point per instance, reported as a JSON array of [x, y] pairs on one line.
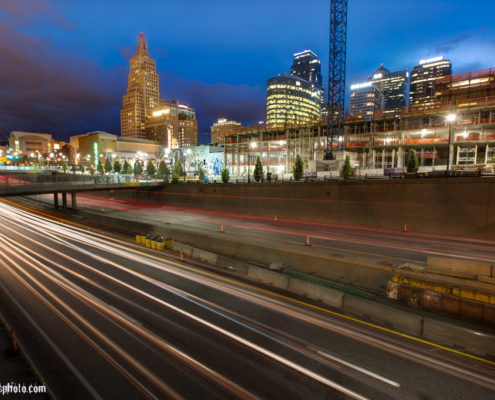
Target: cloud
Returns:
[[44, 90], [213, 100], [27, 13], [468, 51]]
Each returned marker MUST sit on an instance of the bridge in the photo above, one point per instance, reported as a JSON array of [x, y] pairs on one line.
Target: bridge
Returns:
[[32, 183]]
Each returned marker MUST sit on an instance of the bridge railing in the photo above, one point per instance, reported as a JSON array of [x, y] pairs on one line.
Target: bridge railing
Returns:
[[16, 179]]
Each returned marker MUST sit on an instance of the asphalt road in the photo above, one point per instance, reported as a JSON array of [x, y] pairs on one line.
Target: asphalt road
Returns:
[[103, 318], [375, 244]]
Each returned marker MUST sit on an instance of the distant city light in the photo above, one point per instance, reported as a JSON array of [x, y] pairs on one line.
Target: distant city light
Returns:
[[451, 117], [361, 85], [430, 60]]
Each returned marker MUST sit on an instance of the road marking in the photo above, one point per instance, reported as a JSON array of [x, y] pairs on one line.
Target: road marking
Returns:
[[363, 370]]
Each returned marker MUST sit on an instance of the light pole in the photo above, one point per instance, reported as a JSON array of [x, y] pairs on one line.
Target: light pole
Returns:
[[450, 119]]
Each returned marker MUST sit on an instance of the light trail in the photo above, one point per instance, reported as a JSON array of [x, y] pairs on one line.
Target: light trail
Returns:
[[56, 231]]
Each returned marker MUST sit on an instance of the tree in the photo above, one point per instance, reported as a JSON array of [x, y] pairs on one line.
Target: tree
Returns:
[[201, 175], [138, 169], [412, 161], [126, 167], [177, 172], [64, 167], [163, 169], [73, 168], [225, 175], [116, 166], [150, 168], [297, 169], [82, 169], [258, 170], [91, 171], [108, 165], [99, 167], [347, 169]]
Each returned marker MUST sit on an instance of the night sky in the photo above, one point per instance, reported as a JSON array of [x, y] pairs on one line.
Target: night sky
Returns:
[[64, 64]]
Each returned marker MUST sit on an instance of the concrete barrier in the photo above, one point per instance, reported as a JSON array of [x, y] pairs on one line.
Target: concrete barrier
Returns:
[[266, 276], [316, 292], [381, 313], [204, 255], [442, 264], [471, 340]]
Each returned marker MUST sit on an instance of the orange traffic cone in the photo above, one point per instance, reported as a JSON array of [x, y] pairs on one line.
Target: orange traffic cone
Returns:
[[307, 241], [405, 228], [221, 229], [181, 254], [13, 341], [275, 218]]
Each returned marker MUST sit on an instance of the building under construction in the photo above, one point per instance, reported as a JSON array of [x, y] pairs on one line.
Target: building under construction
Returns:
[[462, 118]]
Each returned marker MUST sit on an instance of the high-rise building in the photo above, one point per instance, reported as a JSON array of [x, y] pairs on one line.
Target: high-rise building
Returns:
[[393, 86], [423, 76], [366, 98], [291, 100], [307, 66], [222, 125], [143, 93], [173, 126]]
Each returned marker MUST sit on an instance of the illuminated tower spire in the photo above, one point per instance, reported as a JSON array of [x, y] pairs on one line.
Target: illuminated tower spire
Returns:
[[143, 92]]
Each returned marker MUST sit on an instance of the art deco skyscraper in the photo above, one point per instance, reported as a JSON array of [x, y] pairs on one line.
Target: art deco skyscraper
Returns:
[[143, 93]]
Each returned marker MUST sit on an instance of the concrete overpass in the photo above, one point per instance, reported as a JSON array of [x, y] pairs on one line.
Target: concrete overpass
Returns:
[[61, 184]]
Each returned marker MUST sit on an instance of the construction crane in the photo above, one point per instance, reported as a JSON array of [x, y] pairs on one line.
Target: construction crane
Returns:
[[336, 74]]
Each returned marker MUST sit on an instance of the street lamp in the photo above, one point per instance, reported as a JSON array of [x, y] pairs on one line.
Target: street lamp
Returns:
[[450, 119]]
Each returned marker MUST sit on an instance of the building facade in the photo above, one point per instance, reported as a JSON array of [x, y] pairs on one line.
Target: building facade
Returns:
[[222, 125], [393, 86], [31, 142], [366, 99], [423, 77], [291, 100], [460, 123], [98, 146], [307, 66], [143, 93], [173, 126]]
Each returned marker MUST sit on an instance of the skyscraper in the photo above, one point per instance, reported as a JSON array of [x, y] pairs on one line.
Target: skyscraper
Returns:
[[421, 91], [307, 66], [366, 98], [143, 93], [291, 100], [393, 86]]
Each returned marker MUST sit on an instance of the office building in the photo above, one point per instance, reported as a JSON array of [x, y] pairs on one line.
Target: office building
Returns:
[[366, 99], [98, 146], [291, 100], [307, 66], [393, 86], [143, 93], [423, 76], [173, 126], [221, 126]]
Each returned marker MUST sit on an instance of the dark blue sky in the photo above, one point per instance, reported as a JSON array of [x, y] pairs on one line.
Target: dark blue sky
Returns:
[[64, 64]]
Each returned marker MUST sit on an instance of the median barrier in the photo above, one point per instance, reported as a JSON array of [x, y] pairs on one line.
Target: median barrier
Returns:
[[266, 276], [470, 339], [384, 314], [315, 292], [440, 265]]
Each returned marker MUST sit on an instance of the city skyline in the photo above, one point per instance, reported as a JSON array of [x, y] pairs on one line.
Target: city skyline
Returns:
[[220, 75]]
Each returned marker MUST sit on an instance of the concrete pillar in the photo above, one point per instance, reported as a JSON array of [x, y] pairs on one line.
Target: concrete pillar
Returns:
[[457, 157], [55, 200], [73, 201], [486, 153], [475, 154], [383, 158], [64, 200]]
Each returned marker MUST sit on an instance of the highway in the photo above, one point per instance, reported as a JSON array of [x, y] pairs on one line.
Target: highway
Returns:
[[395, 247], [103, 318]]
